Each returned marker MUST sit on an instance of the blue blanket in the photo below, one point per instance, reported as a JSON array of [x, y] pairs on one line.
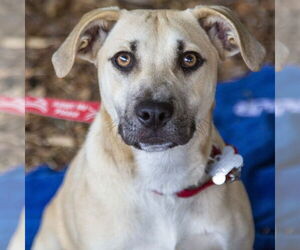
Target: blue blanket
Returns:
[[244, 115]]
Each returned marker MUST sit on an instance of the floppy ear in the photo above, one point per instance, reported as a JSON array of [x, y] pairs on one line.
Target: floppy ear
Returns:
[[85, 39], [229, 35]]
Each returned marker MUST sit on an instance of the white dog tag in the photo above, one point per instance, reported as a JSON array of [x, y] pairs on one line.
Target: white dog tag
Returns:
[[223, 164]]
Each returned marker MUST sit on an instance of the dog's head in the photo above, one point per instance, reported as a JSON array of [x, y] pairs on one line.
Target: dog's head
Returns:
[[158, 68]]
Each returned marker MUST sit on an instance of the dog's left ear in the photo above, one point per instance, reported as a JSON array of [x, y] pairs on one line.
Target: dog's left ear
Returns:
[[229, 35], [85, 39]]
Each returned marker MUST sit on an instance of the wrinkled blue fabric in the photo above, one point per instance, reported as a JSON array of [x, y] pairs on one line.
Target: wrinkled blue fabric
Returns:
[[40, 185]]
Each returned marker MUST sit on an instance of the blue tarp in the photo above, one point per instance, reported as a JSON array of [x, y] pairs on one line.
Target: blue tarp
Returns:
[[245, 118], [40, 185]]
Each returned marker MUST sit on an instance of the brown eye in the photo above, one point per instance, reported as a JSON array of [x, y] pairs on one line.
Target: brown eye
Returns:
[[124, 61], [190, 61]]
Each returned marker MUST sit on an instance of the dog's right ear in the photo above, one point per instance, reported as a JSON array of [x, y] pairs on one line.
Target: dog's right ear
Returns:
[[85, 39]]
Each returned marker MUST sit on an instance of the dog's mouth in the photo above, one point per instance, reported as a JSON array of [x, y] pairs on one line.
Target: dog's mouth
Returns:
[[155, 147], [155, 141]]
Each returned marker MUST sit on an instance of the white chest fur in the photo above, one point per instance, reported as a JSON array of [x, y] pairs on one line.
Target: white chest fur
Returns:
[[160, 222], [170, 171], [166, 220]]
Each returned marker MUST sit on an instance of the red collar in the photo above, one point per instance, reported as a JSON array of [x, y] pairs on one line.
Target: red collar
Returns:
[[191, 191], [186, 193]]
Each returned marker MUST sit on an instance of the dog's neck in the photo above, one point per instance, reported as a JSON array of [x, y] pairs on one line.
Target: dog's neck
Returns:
[[175, 169], [168, 171]]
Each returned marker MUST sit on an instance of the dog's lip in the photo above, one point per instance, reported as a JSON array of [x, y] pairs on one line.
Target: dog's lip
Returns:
[[155, 144], [153, 140], [150, 147]]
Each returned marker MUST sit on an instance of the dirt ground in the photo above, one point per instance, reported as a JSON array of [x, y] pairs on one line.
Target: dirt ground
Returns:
[[48, 22]]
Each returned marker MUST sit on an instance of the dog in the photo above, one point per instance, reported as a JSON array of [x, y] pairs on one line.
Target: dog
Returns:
[[153, 136]]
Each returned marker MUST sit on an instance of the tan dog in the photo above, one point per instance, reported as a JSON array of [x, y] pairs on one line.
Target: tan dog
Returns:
[[157, 72]]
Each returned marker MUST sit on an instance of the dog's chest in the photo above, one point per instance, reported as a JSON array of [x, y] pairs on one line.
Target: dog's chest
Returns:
[[163, 222], [169, 172]]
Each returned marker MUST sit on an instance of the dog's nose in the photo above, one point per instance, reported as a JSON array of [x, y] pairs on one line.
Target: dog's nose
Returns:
[[154, 114]]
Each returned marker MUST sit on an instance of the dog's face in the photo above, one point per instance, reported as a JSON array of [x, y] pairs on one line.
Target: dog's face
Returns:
[[157, 79], [157, 69]]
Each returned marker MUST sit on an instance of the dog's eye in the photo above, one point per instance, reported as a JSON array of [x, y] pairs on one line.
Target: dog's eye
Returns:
[[124, 61], [190, 61]]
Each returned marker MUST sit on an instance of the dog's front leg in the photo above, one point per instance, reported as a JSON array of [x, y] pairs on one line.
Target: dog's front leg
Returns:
[[240, 240], [221, 242], [199, 242]]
